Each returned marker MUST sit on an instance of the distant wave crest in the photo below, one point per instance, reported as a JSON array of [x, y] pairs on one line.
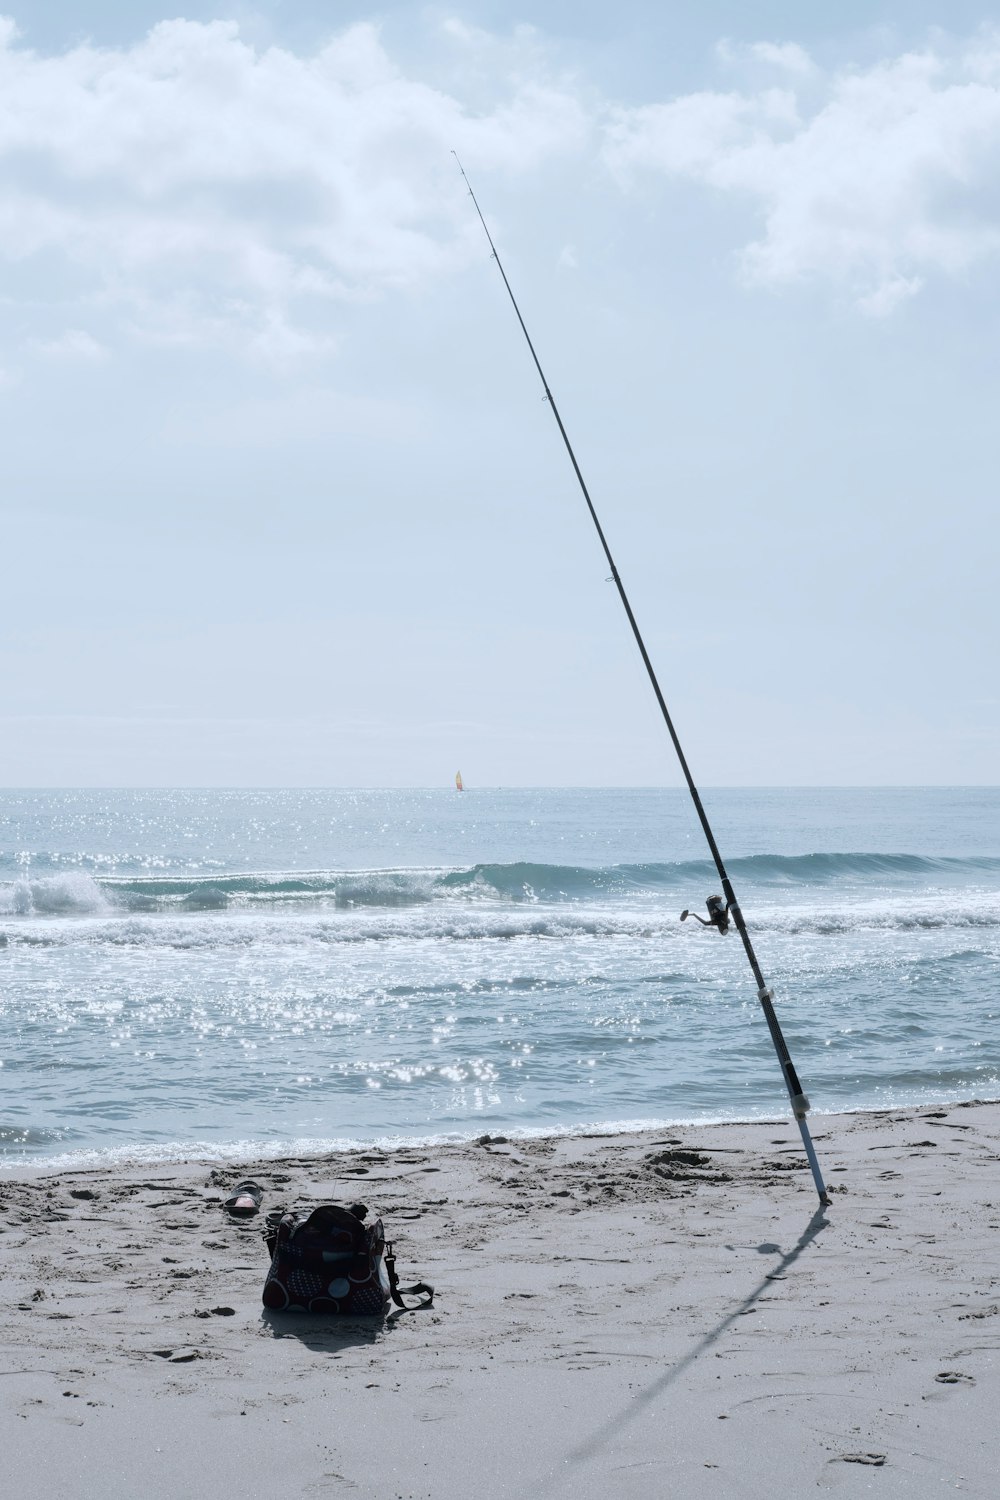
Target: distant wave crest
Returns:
[[573, 882], [76, 893]]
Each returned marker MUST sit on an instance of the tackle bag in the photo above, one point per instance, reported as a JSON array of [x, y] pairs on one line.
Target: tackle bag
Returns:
[[328, 1261]]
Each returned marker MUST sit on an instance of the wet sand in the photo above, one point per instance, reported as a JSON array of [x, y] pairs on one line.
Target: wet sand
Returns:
[[664, 1314]]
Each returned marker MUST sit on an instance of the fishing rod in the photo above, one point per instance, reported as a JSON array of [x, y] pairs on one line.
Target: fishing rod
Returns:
[[719, 916]]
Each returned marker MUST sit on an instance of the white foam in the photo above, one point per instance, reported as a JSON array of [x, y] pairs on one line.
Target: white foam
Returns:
[[72, 894]]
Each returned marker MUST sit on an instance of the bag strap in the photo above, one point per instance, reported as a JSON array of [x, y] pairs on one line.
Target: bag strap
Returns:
[[420, 1289]]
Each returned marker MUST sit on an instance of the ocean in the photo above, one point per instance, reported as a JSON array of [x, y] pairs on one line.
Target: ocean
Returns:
[[222, 973]]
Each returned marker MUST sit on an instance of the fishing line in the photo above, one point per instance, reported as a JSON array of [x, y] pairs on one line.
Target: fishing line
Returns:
[[799, 1102]]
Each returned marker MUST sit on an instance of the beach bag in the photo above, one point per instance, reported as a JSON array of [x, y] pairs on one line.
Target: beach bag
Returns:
[[328, 1261]]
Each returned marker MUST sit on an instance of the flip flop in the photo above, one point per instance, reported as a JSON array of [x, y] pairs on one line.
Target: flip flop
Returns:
[[244, 1201]]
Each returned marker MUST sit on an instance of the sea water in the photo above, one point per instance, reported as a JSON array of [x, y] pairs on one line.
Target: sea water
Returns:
[[215, 972]]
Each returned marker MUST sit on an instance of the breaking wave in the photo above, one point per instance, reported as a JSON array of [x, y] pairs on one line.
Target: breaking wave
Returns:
[[54, 896], [80, 894]]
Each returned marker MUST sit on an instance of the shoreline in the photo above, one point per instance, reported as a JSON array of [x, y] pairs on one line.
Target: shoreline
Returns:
[[236, 1154], [632, 1314]]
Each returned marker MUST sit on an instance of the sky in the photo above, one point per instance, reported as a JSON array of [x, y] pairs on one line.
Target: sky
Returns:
[[282, 502]]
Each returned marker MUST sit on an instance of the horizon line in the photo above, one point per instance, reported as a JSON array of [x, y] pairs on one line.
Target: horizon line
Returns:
[[448, 786]]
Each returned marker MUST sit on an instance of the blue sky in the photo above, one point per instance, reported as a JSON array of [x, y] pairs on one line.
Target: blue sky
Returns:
[[282, 502]]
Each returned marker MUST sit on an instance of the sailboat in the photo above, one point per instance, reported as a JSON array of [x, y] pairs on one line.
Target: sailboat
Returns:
[[458, 782]]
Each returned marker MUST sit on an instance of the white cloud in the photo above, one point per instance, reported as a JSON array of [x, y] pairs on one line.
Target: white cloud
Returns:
[[191, 174], [788, 56], [74, 344], [195, 189], [872, 179], [889, 294]]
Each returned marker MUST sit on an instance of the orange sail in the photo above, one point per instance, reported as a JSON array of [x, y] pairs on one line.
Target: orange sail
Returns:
[[458, 781]]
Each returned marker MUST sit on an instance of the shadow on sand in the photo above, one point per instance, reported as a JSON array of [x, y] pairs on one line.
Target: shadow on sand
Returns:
[[329, 1335], [612, 1428]]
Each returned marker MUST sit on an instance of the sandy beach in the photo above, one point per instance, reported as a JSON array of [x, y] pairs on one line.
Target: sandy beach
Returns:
[[653, 1314]]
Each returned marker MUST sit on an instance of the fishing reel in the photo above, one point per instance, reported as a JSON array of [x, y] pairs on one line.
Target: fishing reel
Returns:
[[718, 915]]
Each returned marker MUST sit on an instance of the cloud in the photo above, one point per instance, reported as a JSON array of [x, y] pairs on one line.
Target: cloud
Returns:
[[74, 344], [193, 189], [788, 56], [871, 179], [206, 187]]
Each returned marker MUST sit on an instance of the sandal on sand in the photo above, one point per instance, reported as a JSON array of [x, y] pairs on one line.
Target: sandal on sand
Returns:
[[244, 1201]]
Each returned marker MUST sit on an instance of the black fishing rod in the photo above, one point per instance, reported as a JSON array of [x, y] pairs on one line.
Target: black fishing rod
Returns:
[[718, 915]]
